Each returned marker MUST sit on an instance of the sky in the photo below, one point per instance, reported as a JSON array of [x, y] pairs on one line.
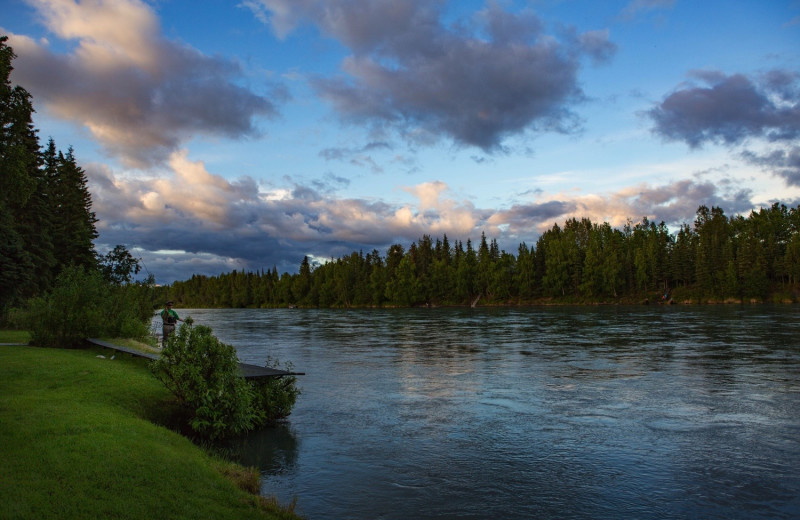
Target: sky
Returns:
[[247, 134]]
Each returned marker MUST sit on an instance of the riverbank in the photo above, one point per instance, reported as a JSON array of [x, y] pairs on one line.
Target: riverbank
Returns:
[[85, 436]]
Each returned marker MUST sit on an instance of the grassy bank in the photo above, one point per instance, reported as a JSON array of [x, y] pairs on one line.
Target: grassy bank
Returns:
[[80, 438], [21, 337]]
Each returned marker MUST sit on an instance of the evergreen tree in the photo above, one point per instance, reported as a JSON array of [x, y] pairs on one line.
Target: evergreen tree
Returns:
[[524, 276], [76, 229], [302, 283], [683, 257], [23, 253], [713, 235]]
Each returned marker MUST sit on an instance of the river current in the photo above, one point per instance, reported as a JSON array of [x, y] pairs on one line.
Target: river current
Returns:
[[651, 412]]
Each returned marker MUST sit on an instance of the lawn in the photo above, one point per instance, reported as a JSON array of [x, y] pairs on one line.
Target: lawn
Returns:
[[15, 336], [81, 437]]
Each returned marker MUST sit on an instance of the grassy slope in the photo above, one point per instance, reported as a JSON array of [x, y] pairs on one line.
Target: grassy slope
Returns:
[[77, 441], [14, 336]]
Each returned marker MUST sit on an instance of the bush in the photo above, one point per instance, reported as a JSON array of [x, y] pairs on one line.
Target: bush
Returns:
[[203, 373], [71, 313], [83, 304], [274, 396]]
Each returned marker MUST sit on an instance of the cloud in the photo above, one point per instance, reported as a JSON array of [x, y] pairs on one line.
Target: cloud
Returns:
[[783, 163], [638, 7], [730, 109], [139, 94], [361, 157], [187, 220], [674, 203], [476, 82], [187, 209]]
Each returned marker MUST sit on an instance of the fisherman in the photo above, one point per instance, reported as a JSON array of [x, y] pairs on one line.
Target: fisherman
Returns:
[[170, 318]]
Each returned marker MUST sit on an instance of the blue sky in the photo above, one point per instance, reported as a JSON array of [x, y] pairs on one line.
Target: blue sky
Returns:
[[245, 135]]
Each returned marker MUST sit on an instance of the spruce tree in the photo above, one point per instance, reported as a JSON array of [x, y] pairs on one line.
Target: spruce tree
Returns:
[[19, 181], [76, 229]]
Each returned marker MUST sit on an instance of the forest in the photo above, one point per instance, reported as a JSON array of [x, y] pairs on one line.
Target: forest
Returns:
[[717, 259]]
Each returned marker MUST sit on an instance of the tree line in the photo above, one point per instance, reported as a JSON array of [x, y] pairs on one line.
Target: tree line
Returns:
[[753, 258]]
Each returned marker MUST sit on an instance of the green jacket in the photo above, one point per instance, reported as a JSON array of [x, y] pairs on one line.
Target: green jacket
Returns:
[[169, 316]]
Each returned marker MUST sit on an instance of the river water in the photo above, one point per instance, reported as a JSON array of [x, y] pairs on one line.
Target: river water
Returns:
[[655, 412]]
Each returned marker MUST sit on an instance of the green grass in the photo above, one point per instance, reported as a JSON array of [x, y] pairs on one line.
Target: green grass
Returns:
[[134, 344], [79, 438], [15, 336]]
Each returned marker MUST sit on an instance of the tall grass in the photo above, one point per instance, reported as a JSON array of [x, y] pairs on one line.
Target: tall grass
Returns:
[[80, 438]]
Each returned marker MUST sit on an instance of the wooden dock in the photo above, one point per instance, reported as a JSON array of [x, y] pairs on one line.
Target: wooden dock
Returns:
[[245, 370]]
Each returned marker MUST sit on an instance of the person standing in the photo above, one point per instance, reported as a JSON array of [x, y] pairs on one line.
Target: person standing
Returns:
[[169, 318]]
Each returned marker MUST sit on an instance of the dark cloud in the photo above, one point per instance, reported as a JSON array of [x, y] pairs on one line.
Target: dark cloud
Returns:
[[140, 97], [540, 211], [476, 81], [190, 214], [730, 109], [226, 225], [597, 45], [783, 163]]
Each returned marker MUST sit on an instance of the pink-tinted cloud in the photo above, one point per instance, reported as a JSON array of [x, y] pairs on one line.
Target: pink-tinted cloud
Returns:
[[243, 224], [138, 94]]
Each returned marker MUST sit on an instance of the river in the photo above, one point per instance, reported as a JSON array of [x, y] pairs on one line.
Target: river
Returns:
[[650, 412]]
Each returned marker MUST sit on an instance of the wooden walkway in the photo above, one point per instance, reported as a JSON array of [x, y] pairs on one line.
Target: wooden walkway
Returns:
[[245, 370]]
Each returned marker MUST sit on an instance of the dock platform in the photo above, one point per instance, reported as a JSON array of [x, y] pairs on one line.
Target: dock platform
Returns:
[[246, 370]]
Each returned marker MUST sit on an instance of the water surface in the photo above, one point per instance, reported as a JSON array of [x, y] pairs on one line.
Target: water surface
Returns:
[[570, 412]]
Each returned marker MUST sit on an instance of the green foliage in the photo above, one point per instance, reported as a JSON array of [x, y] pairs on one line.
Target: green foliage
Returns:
[[202, 372], [81, 305], [274, 397], [119, 266], [716, 259], [71, 313]]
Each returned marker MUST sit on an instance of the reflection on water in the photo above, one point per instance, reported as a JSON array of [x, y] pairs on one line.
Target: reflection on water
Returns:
[[610, 412], [273, 451]]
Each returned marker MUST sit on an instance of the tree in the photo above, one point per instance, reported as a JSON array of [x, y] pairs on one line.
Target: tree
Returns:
[[524, 275], [19, 181], [302, 283], [119, 266], [76, 229], [556, 268], [683, 256], [466, 269], [713, 235]]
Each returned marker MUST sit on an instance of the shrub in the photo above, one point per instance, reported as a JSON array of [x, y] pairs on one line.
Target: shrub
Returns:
[[71, 313], [203, 373], [274, 396], [83, 304], [130, 309]]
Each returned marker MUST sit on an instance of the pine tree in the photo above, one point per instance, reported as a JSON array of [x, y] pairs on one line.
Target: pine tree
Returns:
[[76, 228], [21, 257]]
